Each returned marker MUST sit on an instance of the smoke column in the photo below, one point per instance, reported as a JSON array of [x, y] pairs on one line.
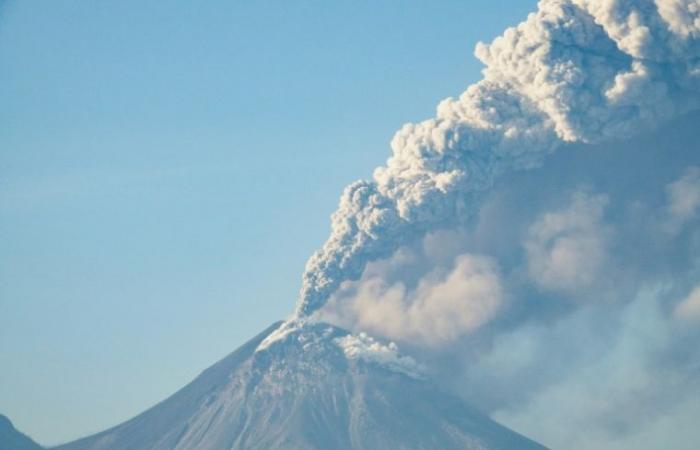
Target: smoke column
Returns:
[[574, 71]]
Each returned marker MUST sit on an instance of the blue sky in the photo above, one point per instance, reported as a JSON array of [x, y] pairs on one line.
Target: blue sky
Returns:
[[166, 172]]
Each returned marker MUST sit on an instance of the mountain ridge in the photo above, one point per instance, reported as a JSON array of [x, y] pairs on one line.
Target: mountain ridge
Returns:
[[13, 439]]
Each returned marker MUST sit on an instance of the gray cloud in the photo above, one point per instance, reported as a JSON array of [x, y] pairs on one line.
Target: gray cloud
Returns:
[[567, 249]]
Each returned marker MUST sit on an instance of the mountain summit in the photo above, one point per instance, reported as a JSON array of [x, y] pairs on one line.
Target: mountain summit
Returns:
[[313, 387]]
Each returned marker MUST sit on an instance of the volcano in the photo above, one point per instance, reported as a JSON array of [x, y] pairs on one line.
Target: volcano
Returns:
[[12, 439], [313, 387]]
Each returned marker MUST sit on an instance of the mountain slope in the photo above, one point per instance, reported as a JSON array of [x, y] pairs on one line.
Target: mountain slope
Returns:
[[316, 388], [11, 439]]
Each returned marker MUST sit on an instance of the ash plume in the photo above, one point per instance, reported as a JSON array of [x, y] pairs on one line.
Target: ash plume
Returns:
[[574, 71]]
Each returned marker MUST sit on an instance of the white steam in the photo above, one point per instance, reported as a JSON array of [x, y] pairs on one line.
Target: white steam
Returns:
[[362, 346], [574, 71]]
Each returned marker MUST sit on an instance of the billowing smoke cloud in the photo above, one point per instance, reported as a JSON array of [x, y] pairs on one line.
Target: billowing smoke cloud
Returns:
[[574, 71]]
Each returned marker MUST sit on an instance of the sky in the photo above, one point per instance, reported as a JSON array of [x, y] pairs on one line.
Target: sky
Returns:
[[166, 173]]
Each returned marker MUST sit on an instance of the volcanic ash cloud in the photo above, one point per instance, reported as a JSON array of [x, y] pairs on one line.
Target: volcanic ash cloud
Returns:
[[574, 71]]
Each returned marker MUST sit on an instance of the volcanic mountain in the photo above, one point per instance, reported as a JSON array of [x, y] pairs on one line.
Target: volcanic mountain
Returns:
[[11, 439], [311, 387]]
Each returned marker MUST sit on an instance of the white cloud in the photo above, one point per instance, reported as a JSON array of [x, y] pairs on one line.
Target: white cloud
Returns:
[[689, 307], [682, 16], [567, 249], [683, 199]]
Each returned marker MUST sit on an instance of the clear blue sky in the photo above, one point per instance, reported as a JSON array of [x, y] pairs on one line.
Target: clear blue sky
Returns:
[[165, 171]]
